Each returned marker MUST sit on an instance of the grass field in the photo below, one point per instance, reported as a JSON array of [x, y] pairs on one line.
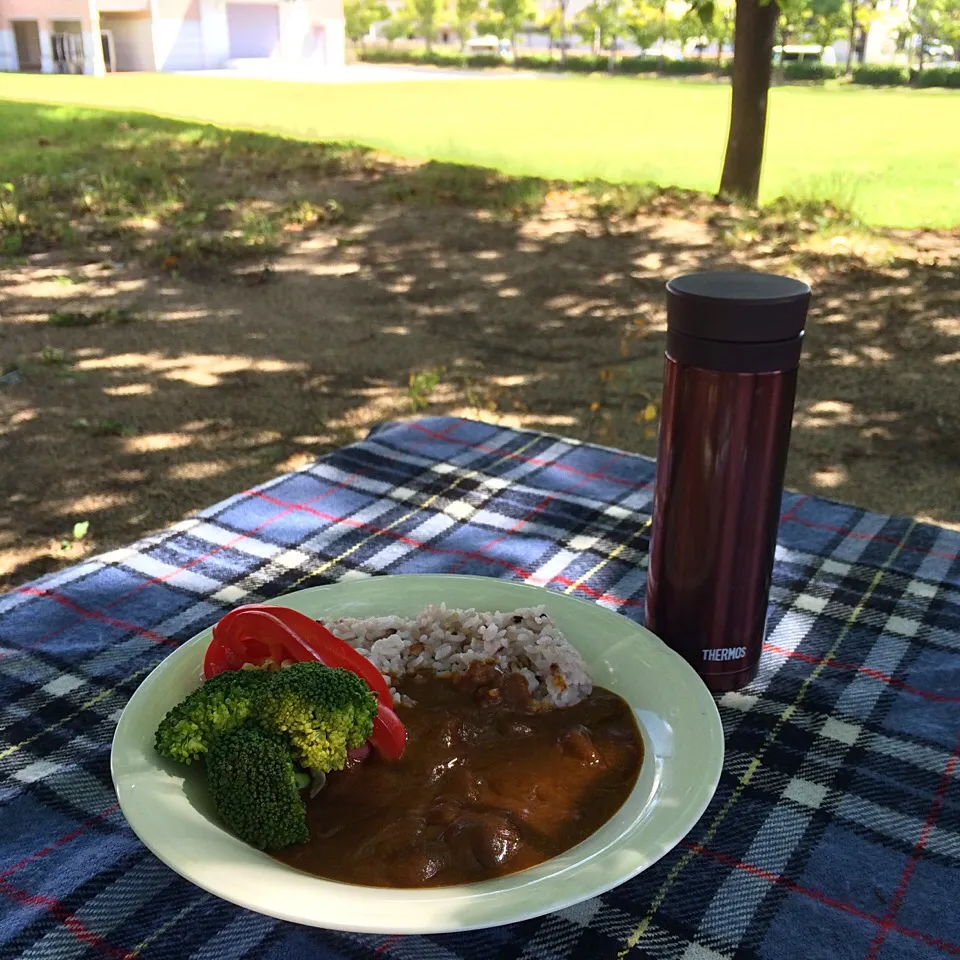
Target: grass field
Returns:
[[189, 309], [889, 155]]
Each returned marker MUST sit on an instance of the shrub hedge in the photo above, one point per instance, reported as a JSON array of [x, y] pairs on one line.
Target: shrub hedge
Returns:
[[875, 75], [938, 77], [809, 70]]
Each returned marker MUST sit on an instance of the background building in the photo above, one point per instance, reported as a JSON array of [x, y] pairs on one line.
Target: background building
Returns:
[[97, 36]]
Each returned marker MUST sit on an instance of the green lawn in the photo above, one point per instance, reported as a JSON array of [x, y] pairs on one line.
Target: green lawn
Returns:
[[891, 155]]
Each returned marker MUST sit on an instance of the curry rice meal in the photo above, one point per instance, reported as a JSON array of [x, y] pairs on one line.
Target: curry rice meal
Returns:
[[477, 747]]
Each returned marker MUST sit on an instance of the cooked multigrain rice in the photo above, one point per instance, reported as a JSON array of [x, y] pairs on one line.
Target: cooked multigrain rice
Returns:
[[524, 641]]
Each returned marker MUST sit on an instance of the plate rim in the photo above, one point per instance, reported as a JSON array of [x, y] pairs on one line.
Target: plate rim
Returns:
[[705, 788]]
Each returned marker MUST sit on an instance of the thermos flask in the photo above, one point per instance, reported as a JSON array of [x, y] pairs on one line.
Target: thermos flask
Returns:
[[730, 377]]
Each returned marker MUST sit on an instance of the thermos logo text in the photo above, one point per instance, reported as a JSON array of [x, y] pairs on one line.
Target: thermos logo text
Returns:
[[725, 653]]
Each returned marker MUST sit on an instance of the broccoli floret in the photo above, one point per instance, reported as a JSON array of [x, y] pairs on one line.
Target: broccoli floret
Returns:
[[324, 712], [253, 783], [222, 703]]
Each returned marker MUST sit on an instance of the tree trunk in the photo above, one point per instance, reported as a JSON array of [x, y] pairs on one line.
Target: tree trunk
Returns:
[[612, 61], [663, 35], [563, 34], [853, 37], [781, 71], [752, 52]]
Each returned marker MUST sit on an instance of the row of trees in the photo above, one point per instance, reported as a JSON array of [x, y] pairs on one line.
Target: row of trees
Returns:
[[600, 24], [823, 21], [427, 18], [930, 20], [648, 23]]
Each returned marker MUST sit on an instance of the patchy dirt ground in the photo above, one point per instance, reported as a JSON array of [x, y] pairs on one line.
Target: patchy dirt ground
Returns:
[[134, 395]]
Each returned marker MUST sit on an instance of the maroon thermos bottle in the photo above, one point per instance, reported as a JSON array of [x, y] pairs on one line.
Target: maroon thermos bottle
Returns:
[[729, 382]]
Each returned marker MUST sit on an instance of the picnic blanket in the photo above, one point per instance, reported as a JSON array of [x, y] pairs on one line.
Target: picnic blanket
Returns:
[[835, 830]]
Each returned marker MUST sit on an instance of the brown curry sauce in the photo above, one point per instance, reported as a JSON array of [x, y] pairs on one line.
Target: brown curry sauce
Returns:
[[488, 786]]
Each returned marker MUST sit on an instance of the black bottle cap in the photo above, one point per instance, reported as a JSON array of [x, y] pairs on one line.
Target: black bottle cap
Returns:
[[736, 321]]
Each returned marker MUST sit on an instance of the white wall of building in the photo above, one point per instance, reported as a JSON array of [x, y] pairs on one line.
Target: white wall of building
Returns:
[[177, 35], [305, 36], [882, 39], [46, 50], [328, 16], [177, 44], [123, 6], [8, 50], [188, 34], [92, 46], [308, 34], [216, 36], [295, 30], [335, 42], [93, 43]]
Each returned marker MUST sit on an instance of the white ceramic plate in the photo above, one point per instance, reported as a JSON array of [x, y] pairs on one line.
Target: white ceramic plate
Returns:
[[168, 808]]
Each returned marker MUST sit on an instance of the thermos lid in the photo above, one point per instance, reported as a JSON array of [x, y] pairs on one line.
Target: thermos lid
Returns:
[[737, 306], [737, 320]]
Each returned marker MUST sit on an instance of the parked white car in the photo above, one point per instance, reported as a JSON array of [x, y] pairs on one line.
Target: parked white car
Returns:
[[488, 44], [804, 53], [939, 52], [667, 53]]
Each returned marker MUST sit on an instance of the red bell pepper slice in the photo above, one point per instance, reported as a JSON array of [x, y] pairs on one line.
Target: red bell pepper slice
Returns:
[[257, 632], [331, 650], [253, 636], [389, 737], [217, 660]]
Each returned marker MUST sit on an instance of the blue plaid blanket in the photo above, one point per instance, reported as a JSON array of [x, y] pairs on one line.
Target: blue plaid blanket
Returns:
[[835, 832]]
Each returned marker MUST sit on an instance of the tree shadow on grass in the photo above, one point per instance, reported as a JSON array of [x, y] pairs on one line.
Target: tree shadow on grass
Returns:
[[140, 387]]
